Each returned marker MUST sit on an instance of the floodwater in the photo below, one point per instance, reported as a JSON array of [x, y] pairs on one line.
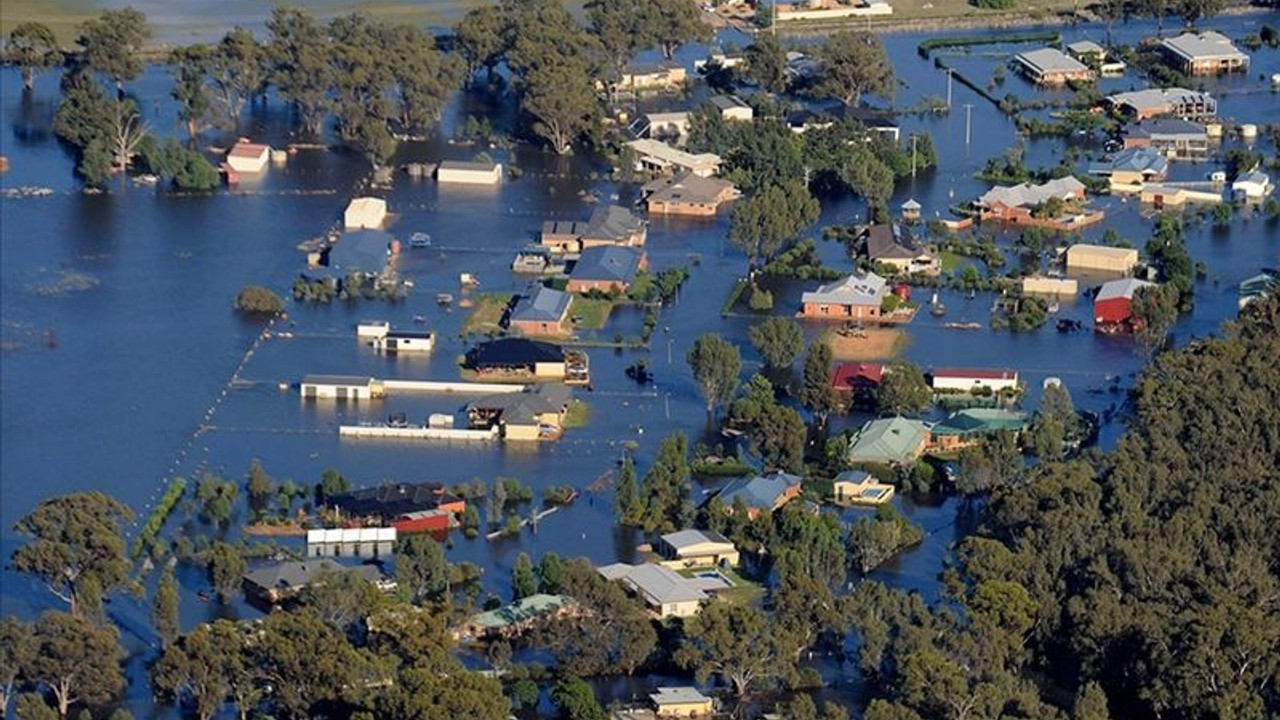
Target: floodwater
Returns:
[[121, 345]]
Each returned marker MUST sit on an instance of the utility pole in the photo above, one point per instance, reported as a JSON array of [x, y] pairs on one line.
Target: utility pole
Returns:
[[774, 24], [949, 88], [968, 116], [913, 154]]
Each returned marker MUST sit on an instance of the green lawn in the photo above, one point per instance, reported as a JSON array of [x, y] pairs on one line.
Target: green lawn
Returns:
[[578, 414], [487, 314], [950, 260], [594, 313], [743, 592]]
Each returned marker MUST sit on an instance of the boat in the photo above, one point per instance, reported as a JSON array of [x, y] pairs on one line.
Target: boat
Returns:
[[936, 308], [420, 319], [444, 298], [1054, 307], [962, 326], [419, 240]]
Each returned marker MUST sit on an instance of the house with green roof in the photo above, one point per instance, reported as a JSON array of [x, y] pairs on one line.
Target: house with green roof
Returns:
[[966, 427], [889, 441], [513, 619]]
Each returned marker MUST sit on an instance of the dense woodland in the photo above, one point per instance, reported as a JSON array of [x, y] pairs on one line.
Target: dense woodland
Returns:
[[1142, 583]]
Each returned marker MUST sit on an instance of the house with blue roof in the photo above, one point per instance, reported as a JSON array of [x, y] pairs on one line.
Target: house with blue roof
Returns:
[[1132, 167], [541, 312], [606, 268], [761, 493]]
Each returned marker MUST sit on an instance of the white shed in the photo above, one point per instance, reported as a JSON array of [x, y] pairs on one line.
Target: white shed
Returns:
[[247, 157], [365, 213], [469, 173]]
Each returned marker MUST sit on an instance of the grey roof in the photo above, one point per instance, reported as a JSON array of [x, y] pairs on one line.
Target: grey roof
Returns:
[[1085, 47], [664, 695], [687, 538], [563, 227], [614, 224], [1167, 128], [687, 187], [728, 102], [1140, 159], [360, 250], [1123, 288], [525, 406], [659, 585], [295, 575], [1166, 99], [891, 242], [608, 262], [1206, 45], [1028, 195], [544, 305], [859, 288], [761, 491], [1051, 60]]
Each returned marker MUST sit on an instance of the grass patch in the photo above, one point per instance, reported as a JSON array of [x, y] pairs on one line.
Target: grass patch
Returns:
[[594, 312], [487, 315], [738, 288], [1047, 36], [950, 261], [577, 415], [743, 592]]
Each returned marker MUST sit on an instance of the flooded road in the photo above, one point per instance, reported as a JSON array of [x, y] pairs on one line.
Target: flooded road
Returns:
[[121, 345]]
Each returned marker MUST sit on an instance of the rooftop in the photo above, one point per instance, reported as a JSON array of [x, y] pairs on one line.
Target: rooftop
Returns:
[[611, 263], [360, 250], [520, 611], [690, 538], [1028, 195], [690, 188], [659, 585], [677, 695], [524, 407], [667, 155], [850, 374], [1122, 288], [390, 499], [543, 305], [980, 420], [248, 149], [468, 165], [979, 374], [1085, 47], [859, 288], [295, 575], [339, 380], [1167, 127], [890, 241], [760, 492], [1145, 160], [1051, 60], [614, 223], [1158, 99], [1204, 46], [728, 102], [888, 440], [513, 351]]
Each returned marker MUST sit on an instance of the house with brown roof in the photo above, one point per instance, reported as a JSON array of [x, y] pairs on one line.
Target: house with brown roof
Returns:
[[688, 194], [891, 244]]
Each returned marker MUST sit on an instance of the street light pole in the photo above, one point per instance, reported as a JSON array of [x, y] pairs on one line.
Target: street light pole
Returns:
[[968, 116]]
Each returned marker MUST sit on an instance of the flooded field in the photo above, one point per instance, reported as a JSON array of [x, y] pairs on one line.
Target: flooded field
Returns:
[[124, 363]]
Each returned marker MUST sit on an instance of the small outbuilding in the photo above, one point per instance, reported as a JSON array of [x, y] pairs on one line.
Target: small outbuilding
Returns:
[[1086, 258], [462, 172], [973, 381], [680, 702], [340, 387], [1113, 307], [366, 213], [858, 487], [1253, 185], [731, 107], [247, 158]]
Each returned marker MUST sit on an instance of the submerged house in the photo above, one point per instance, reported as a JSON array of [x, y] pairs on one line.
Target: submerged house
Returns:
[[543, 312], [519, 359], [1017, 203], [531, 415], [1093, 258], [1206, 53], [1154, 102], [607, 268], [1051, 66], [395, 504], [654, 156], [1134, 166], [248, 157], [696, 548], [760, 493], [973, 381], [688, 194], [461, 172], [1260, 285], [680, 702], [889, 441], [1171, 137], [1113, 307], [340, 387], [856, 297], [964, 428], [608, 225], [893, 245], [277, 582]]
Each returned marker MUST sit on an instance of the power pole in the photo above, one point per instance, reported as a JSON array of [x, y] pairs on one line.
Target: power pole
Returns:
[[913, 154], [949, 88], [968, 116], [774, 24]]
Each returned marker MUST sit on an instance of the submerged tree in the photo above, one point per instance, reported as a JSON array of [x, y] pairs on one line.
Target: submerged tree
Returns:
[[854, 64], [715, 363], [110, 44], [775, 215], [300, 53], [237, 71], [33, 47]]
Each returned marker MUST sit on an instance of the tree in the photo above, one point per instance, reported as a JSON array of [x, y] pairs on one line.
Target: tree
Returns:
[[872, 541], [763, 224], [111, 43], [17, 645], [550, 570], [237, 71], [260, 487], [217, 498], [185, 168], [619, 27], [1193, 10], [307, 663], [561, 102], [903, 390], [205, 668], [778, 340], [421, 568], [77, 660], [1155, 310], [164, 609], [715, 363], [994, 462], [575, 700], [33, 706], [854, 63], [190, 66], [1111, 11], [33, 47], [479, 39], [226, 567], [523, 581], [664, 492], [766, 62], [86, 118], [736, 643], [423, 78], [73, 539], [817, 393], [626, 498], [341, 597], [332, 483], [613, 633], [435, 694], [673, 23], [1156, 9], [300, 53], [127, 132]]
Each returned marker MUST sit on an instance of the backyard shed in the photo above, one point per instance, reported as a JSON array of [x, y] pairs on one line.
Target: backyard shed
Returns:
[[1087, 257], [365, 213], [469, 173]]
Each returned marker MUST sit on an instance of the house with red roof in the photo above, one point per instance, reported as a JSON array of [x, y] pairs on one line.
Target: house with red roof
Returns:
[[858, 379]]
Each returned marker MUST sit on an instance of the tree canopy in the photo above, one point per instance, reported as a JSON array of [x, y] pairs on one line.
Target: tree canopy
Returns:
[[716, 363], [854, 64]]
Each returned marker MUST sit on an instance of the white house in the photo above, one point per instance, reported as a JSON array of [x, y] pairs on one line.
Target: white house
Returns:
[[405, 341], [654, 155], [366, 213], [247, 157], [340, 387], [974, 380], [469, 173], [1253, 185], [373, 329]]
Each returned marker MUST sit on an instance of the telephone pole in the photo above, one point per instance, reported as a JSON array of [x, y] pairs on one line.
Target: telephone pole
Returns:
[[913, 154], [949, 71], [968, 116]]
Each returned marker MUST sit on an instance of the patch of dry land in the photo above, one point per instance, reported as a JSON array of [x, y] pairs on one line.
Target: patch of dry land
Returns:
[[868, 344]]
